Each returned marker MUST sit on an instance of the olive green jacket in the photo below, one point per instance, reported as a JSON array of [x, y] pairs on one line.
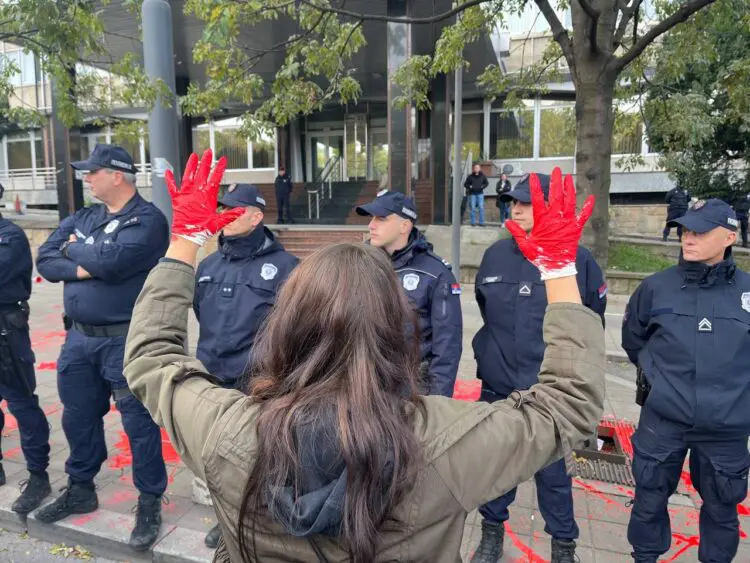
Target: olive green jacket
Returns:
[[474, 452]]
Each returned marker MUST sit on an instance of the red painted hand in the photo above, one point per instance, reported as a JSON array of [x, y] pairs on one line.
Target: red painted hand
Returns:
[[553, 241], [194, 215]]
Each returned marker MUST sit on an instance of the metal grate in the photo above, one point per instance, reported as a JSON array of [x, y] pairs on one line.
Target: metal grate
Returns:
[[610, 463]]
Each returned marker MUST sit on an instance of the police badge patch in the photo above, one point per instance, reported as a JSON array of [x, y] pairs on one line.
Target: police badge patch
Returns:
[[746, 301], [410, 281], [268, 271], [111, 226]]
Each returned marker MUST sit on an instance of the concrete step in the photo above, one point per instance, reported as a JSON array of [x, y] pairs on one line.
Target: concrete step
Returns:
[[106, 533]]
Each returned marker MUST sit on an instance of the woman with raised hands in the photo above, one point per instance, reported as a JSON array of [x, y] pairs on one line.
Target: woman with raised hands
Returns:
[[331, 454]]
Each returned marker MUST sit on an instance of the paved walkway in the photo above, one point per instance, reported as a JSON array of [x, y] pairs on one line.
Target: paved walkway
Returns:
[[601, 509]]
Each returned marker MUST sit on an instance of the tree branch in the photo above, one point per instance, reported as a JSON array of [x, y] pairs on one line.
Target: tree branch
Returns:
[[683, 13], [627, 15], [590, 11], [558, 31], [378, 18]]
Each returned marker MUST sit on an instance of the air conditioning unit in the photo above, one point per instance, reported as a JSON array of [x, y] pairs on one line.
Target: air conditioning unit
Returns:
[[509, 168]]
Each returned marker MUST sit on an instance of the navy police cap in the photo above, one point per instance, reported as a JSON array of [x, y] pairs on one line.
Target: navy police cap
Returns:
[[706, 215], [243, 195], [389, 203], [522, 190], [112, 157]]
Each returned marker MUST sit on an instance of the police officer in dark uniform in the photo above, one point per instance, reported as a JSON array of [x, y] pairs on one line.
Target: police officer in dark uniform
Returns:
[[17, 379], [509, 349], [677, 204], [235, 290], [428, 282], [283, 186], [688, 331], [103, 253], [741, 207]]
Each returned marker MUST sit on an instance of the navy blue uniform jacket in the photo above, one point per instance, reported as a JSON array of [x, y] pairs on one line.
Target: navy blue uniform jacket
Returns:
[[117, 249], [512, 300], [16, 264], [436, 297], [688, 328], [235, 289]]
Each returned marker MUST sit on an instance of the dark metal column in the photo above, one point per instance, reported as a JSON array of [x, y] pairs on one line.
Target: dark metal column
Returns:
[[440, 144], [400, 133], [69, 188], [158, 59]]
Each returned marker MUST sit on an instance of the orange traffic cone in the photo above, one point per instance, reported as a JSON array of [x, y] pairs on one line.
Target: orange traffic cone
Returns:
[[19, 211]]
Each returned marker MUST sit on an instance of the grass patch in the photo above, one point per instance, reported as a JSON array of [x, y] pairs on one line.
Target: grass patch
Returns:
[[632, 258]]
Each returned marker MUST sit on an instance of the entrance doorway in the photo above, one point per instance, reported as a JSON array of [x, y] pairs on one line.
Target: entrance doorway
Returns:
[[323, 148]]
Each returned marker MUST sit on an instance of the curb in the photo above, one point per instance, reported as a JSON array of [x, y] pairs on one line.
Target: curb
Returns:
[[106, 533], [620, 357]]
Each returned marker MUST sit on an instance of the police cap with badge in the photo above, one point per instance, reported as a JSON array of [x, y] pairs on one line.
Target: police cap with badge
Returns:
[[111, 157], [243, 195], [390, 203], [705, 216], [522, 190]]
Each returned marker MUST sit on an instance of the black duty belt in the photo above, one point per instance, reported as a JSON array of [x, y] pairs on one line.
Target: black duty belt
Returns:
[[101, 331]]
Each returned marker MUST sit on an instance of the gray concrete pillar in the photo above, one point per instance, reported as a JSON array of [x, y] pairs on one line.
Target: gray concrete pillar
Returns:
[[163, 133]]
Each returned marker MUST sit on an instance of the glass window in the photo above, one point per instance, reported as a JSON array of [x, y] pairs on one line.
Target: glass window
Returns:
[[19, 152], [133, 147], [263, 154], [471, 135], [234, 146], [627, 134], [557, 131], [379, 154], [39, 148], [512, 134], [14, 58], [201, 140]]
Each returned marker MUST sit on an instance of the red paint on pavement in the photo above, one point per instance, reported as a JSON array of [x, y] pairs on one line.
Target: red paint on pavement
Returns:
[[125, 456], [38, 279], [743, 510], [170, 478], [530, 556], [81, 520], [596, 492], [123, 496], [467, 390], [47, 365], [13, 452], [685, 543], [47, 340], [688, 482]]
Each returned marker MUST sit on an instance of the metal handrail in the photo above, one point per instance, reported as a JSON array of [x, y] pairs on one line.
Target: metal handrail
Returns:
[[323, 180]]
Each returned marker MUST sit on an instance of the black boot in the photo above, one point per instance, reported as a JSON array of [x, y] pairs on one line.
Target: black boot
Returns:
[[213, 536], [563, 552], [491, 547], [76, 498], [33, 491], [147, 522], [2, 475]]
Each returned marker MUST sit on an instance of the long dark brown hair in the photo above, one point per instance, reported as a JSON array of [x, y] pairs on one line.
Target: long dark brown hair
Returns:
[[341, 344]]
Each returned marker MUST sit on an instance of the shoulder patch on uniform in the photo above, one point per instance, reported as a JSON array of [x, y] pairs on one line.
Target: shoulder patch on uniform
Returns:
[[603, 289], [268, 271], [204, 279], [745, 299], [410, 282], [90, 240], [456, 288], [131, 221]]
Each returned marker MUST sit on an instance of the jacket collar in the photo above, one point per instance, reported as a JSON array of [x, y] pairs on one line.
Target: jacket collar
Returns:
[[417, 243], [704, 275], [260, 241]]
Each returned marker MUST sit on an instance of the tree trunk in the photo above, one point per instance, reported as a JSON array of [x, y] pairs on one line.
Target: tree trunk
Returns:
[[594, 119]]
